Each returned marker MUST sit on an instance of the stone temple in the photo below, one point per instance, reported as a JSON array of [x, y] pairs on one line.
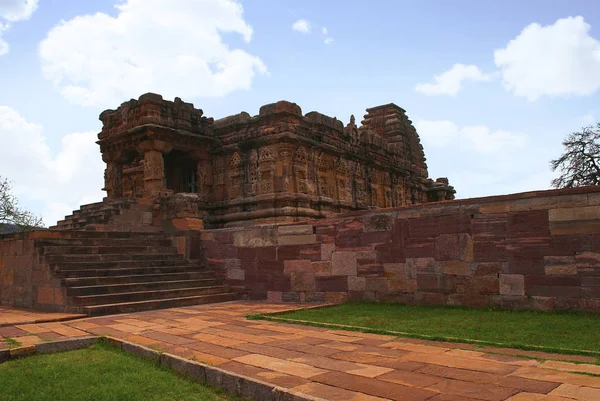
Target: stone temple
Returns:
[[279, 166]]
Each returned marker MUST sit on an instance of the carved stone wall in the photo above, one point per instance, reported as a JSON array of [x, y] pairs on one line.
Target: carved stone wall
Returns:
[[278, 166]]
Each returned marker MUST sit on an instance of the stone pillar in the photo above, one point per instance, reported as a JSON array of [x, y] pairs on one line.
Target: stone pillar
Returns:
[[113, 180], [154, 173], [283, 168]]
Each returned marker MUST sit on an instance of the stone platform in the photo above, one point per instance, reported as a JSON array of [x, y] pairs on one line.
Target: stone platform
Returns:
[[334, 364]]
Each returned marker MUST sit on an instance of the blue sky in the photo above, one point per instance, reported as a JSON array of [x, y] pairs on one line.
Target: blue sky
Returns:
[[513, 78]]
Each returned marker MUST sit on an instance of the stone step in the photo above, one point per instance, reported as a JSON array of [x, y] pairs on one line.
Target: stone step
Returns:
[[142, 287], [121, 264], [112, 242], [124, 297], [129, 307], [137, 278], [101, 250], [135, 271], [114, 234], [108, 257]]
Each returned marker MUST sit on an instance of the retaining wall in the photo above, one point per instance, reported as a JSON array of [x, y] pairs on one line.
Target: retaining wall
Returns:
[[537, 250]]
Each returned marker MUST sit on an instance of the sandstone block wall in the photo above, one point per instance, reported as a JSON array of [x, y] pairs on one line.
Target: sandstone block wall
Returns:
[[25, 280], [538, 250]]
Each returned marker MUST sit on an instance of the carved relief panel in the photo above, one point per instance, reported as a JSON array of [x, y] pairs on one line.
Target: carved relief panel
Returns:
[[266, 170]]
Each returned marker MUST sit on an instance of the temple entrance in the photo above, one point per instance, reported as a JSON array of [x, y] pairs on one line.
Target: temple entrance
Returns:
[[180, 172]]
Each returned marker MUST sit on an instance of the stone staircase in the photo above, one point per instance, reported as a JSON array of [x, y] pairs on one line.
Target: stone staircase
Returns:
[[96, 216], [121, 272]]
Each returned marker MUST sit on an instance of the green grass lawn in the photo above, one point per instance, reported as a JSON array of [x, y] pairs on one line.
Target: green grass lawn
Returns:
[[520, 329], [100, 372]]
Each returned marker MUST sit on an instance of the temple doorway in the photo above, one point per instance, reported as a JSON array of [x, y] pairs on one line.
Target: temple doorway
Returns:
[[180, 172]]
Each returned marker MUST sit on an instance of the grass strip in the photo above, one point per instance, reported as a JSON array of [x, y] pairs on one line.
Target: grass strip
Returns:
[[572, 333], [100, 372]]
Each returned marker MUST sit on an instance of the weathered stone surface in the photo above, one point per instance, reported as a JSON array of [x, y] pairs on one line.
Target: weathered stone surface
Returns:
[[297, 239], [344, 263], [327, 251], [575, 214], [297, 266], [256, 238], [296, 230], [512, 284], [322, 268]]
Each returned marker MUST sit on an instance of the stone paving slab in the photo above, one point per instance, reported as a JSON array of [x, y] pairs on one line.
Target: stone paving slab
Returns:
[[332, 364], [11, 316]]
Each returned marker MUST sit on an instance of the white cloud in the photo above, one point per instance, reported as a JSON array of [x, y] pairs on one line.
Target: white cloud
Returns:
[[328, 41], [324, 31], [172, 48], [13, 11], [478, 138], [587, 119], [437, 133], [302, 26], [450, 82], [561, 59], [17, 10], [480, 161], [57, 183]]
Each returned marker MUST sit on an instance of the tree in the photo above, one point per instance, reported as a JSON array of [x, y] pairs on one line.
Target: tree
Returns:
[[10, 213], [580, 164]]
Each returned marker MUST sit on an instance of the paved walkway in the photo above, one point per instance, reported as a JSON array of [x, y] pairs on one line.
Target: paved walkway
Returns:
[[11, 316], [333, 364]]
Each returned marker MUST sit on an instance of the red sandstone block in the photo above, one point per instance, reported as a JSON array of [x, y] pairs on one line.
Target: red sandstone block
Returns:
[[419, 248], [590, 292], [297, 266], [442, 283], [287, 252], [390, 253], [566, 245], [490, 227], [423, 265], [45, 295], [543, 280], [429, 298], [512, 284], [349, 239], [484, 285], [271, 266], [569, 303], [266, 253], [533, 223], [471, 300], [489, 251], [290, 296], [400, 231], [370, 270], [301, 281], [247, 254], [485, 268], [274, 296], [213, 249], [423, 227], [517, 302], [590, 281], [331, 283], [344, 263], [377, 284], [376, 237], [223, 237], [525, 265], [454, 224], [280, 283]]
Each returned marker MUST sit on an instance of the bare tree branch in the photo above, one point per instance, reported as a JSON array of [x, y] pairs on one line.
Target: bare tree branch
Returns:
[[580, 164], [11, 214]]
